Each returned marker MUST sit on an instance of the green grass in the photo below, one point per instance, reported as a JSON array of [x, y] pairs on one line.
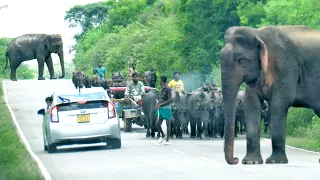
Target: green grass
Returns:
[[301, 136], [15, 161]]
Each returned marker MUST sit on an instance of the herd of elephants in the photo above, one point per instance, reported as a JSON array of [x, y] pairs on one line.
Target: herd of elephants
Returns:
[[279, 65]]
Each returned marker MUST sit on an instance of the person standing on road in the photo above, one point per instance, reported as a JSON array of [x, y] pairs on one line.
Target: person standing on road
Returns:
[[163, 109], [176, 83], [100, 71]]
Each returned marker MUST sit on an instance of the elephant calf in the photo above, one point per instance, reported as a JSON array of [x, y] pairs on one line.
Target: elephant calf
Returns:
[[78, 79]]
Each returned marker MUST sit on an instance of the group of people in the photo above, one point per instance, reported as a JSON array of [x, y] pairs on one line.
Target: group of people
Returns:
[[163, 109]]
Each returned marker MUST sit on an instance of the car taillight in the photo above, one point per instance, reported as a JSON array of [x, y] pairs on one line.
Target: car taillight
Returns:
[[54, 114], [111, 110], [140, 102]]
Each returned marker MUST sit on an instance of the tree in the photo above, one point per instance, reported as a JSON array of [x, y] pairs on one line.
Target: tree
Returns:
[[88, 16]]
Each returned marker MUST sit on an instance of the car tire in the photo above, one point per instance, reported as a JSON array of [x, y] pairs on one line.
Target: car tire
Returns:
[[115, 143], [45, 147], [52, 148], [128, 126]]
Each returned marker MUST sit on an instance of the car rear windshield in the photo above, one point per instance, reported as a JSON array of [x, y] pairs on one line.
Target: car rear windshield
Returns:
[[80, 97], [87, 105]]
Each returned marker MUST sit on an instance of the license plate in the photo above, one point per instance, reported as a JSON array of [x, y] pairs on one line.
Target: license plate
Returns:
[[83, 118]]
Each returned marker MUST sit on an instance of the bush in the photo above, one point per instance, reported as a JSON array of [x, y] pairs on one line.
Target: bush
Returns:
[[298, 119]]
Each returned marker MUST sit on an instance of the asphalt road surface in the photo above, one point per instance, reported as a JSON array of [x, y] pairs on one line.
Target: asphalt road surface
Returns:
[[142, 158]]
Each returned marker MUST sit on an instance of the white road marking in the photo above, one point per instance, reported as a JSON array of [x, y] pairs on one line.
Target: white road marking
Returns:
[[297, 148], [23, 138], [177, 151]]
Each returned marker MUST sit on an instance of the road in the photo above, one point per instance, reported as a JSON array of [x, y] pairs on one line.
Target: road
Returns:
[[140, 157]]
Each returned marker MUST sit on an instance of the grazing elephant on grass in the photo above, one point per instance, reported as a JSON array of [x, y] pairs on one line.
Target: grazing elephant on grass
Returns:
[[198, 110], [35, 46], [78, 79], [279, 64]]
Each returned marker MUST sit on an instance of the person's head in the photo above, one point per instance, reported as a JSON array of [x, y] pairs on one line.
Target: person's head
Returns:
[[163, 79], [135, 77], [100, 64], [176, 75], [49, 100]]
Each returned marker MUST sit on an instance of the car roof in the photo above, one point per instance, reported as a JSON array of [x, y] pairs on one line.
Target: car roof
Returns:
[[82, 91]]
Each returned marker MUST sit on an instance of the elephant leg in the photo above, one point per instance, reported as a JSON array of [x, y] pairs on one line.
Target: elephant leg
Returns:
[[40, 68], [50, 67], [252, 109], [278, 133], [199, 129], [193, 125], [13, 68]]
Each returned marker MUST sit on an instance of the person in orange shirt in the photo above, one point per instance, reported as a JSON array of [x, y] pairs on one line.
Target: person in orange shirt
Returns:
[[176, 83]]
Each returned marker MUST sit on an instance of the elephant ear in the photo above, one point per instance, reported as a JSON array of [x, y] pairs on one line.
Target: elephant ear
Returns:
[[47, 41], [265, 63]]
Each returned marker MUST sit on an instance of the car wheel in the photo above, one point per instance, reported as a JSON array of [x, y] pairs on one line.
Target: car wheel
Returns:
[[45, 146], [115, 143], [128, 126], [52, 148]]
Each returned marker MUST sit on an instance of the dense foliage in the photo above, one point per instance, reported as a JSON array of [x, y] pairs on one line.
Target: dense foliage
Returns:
[[23, 72], [183, 35]]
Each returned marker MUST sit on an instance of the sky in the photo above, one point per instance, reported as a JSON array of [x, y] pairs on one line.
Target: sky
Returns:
[[39, 16]]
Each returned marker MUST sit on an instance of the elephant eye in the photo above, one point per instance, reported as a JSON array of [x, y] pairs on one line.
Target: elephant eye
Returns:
[[240, 60]]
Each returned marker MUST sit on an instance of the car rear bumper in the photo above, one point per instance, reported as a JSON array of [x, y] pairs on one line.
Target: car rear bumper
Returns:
[[92, 133]]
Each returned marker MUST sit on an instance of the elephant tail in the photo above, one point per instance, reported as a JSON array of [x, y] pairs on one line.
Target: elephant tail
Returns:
[[6, 62]]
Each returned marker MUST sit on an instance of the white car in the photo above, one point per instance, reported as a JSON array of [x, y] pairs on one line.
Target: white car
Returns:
[[80, 117]]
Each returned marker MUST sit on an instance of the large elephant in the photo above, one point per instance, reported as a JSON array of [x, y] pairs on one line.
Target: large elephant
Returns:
[[198, 107], [279, 64], [35, 46]]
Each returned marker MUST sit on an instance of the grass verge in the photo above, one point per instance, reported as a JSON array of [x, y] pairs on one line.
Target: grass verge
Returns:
[[302, 130], [15, 160]]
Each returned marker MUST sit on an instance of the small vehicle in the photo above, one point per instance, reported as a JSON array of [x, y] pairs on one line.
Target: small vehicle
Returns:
[[80, 118], [129, 110]]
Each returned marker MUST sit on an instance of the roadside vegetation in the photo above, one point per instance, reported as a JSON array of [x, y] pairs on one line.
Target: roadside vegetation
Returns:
[[23, 72], [15, 160], [185, 36]]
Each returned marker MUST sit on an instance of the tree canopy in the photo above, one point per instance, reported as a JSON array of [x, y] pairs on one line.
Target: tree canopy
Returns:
[[174, 35]]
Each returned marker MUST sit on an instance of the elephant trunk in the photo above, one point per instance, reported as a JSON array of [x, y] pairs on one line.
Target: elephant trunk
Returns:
[[61, 57], [230, 86]]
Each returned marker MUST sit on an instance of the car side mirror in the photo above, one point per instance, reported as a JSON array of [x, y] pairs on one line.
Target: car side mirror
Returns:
[[41, 112]]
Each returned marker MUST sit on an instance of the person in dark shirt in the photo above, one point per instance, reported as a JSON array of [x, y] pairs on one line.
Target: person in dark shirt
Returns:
[[163, 109]]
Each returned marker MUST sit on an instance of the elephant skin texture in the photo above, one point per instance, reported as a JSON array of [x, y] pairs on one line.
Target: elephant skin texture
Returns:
[[150, 78], [216, 119], [179, 113], [149, 101], [279, 64], [198, 107], [35, 46]]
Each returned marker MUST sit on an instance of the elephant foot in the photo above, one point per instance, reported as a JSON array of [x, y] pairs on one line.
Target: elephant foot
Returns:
[[179, 137], [153, 134], [41, 78], [53, 77], [277, 159], [192, 136], [158, 135], [148, 134], [252, 159], [14, 79]]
